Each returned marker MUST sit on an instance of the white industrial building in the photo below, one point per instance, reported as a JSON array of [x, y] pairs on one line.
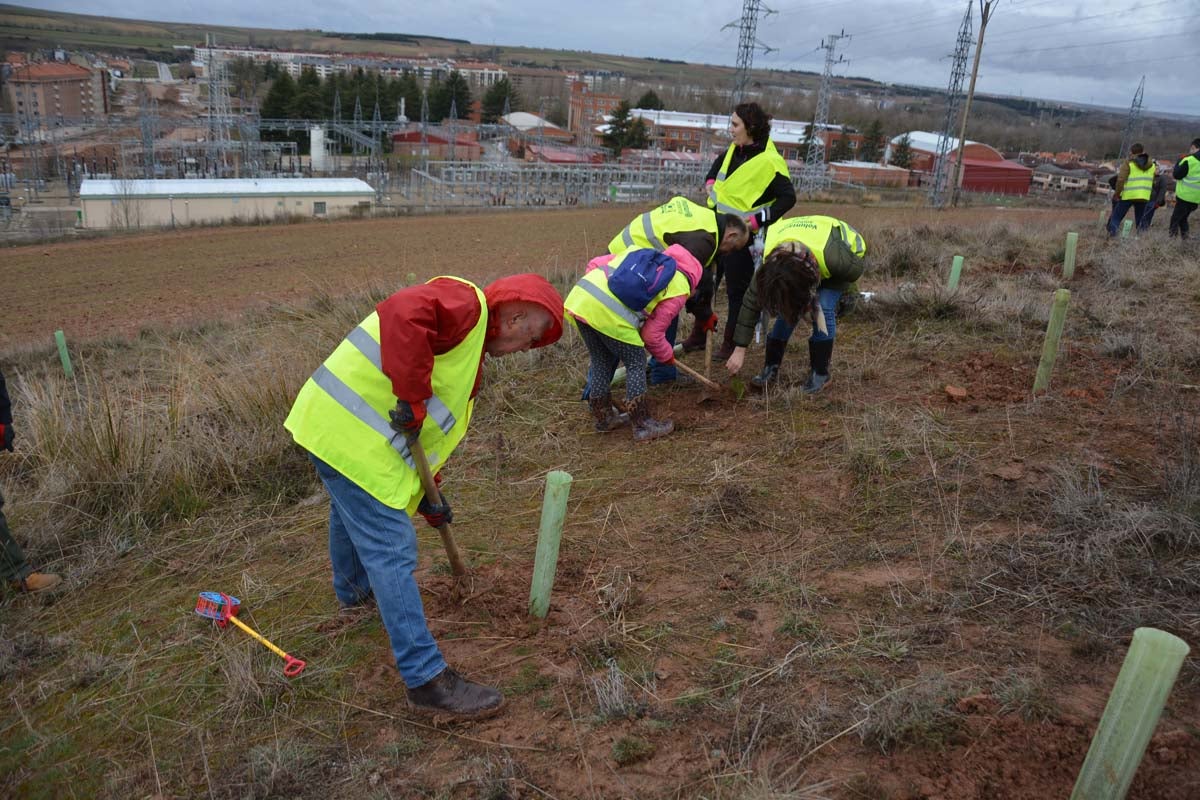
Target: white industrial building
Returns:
[[165, 203]]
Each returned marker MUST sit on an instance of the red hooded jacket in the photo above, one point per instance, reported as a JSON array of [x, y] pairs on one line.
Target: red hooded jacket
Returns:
[[420, 322]]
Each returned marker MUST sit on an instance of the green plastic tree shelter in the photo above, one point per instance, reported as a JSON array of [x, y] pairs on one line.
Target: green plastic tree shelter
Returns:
[[1126, 227], [545, 562], [60, 339], [1131, 715], [1058, 315], [955, 273], [1069, 256]]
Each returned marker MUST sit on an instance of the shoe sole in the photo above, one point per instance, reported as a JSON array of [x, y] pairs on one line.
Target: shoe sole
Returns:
[[439, 716]]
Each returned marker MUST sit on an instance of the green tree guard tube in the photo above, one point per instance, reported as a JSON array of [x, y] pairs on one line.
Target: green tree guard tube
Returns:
[[1131, 715], [1058, 315], [1069, 257], [545, 562], [1126, 227], [61, 340], [1105, 213], [955, 273]]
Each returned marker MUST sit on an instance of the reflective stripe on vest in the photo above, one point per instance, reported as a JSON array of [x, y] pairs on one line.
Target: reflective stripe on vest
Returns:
[[340, 415], [813, 232], [614, 305], [1139, 184], [1187, 188], [591, 301], [736, 194], [677, 215]]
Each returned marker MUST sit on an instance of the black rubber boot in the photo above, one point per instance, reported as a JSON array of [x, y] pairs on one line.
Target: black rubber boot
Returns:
[[774, 357], [452, 695], [607, 418], [819, 355], [645, 427]]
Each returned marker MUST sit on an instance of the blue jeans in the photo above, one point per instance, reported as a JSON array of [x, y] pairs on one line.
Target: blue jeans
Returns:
[[658, 372], [828, 300], [1120, 209], [373, 548]]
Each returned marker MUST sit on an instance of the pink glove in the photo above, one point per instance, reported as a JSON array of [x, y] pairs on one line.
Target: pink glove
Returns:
[[752, 222]]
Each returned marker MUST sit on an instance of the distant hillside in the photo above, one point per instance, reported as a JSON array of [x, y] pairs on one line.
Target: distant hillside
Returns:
[[1011, 123]]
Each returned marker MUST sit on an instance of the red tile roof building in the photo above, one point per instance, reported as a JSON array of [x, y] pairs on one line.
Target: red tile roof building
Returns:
[[53, 94]]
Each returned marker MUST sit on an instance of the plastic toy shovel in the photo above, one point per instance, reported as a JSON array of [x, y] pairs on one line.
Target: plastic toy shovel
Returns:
[[222, 609]]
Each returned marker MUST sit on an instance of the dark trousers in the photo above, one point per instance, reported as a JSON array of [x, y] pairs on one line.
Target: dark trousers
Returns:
[[1179, 218], [1120, 209], [1147, 216], [738, 268], [13, 566]]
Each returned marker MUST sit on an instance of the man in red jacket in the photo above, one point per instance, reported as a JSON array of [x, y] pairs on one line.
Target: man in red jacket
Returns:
[[417, 359]]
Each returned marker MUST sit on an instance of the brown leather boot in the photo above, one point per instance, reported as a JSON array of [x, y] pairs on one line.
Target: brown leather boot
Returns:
[[36, 582], [608, 419], [452, 695], [645, 427]]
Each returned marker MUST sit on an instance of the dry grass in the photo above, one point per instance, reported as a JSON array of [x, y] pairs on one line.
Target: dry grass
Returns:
[[785, 584]]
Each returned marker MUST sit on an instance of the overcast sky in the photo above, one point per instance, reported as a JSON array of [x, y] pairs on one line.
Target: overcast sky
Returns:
[[1077, 50]]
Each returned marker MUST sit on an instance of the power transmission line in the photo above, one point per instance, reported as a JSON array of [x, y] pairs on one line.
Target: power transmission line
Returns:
[[958, 71], [815, 174], [986, 9], [747, 44], [1133, 123]]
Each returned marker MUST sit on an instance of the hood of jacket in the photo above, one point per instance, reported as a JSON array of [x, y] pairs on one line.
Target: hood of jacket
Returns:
[[526, 288], [686, 263], [1142, 160]]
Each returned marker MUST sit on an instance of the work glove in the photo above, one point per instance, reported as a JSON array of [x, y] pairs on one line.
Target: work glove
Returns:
[[6, 437], [436, 515], [710, 324], [407, 417], [752, 223]]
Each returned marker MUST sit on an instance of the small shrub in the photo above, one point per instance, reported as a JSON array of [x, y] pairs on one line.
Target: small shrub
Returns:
[[631, 749], [920, 715]]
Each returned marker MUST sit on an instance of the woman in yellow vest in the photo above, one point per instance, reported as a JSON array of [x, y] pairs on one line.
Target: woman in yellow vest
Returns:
[[749, 179], [808, 263], [1135, 181], [705, 234], [1187, 190], [417, 359], [615, 333]]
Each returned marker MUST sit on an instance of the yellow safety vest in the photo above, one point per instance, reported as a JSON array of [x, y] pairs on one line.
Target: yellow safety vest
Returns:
[[677, 215], [1139, 183], [341, 413], [813, 232], [591, 300], [737, 193], [1188, 187]]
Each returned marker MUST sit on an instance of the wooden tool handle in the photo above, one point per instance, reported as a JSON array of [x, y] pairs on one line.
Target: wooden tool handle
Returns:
[[710, 384], [457, 566]]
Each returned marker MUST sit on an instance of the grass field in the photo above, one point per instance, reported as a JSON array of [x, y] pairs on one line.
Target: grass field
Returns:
[[877, 592]]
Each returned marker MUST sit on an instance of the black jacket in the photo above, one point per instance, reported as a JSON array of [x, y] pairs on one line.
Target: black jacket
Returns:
[[781, 193], [1181, 168]]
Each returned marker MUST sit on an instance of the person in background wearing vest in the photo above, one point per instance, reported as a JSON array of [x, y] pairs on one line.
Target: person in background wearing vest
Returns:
[[14, 569], [803, 256], [1158, 199], [705, 234], [417, 359], [613, 333], [1187, 190], [1135, 181], [751, 180]]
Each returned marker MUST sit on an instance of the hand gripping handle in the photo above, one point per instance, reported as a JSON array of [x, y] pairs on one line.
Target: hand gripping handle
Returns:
[[292, 666]]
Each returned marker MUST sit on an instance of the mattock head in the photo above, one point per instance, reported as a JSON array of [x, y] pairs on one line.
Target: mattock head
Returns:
[[218, 607]]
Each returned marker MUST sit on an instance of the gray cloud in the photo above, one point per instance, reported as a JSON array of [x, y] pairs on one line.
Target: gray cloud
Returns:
[[1035, 48]]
